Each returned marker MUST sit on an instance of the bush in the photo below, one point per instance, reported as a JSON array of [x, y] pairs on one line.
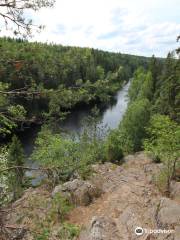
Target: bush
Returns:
[[69, 231], [131, 132], [114, 151], [16, 158], [132, 127], [164, 141], [60, 208], [4, 176], [55, 215], [66, 154]]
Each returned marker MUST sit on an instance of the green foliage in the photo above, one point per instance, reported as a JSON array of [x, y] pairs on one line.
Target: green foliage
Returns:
[[11, 179], [164, 141], [44, 235], [114, 152], [18, 112], [3, 98], [55, 214], [152, 91], [69, 231], [14, 14], [7, 125], [4, 176], [15, 159], [61, 77], [15, 153], [100, 72], [155, 67], [146, 90], [141, 86], [131, 130], [67, 154], [136, 84], [161, 180], [55, 151], [61, 206], [155, 90], [167, 94], [9, 114]]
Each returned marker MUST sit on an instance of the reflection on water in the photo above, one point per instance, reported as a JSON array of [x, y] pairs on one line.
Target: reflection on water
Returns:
[[113, 115], [110, 118]]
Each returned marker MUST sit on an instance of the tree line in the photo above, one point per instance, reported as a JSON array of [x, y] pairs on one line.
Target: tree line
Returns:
[[41, 81], [151, 122]]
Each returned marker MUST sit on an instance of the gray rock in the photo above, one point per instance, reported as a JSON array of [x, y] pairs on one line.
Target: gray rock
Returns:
[[78, 192], [177, 233], [175, 190], [101, 228], [168, 213]]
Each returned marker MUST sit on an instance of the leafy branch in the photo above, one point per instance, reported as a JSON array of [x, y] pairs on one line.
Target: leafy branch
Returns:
[[13, 13]]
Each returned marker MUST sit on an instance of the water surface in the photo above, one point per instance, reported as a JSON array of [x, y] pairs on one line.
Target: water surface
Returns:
[[110, 117]]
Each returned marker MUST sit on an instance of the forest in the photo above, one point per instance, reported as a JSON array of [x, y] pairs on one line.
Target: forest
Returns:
[[41, 81], [41, 84]]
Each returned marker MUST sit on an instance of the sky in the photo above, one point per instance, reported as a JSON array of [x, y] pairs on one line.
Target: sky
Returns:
[[140, 27]]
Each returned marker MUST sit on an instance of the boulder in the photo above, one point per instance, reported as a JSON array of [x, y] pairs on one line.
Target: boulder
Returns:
[[101, 228], [140, 158], [175, 190], [168, 214], [177, 233], [152, 170], [78, 192]]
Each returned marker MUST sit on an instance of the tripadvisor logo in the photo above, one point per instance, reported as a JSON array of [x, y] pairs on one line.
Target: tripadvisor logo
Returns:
[[139, 231]]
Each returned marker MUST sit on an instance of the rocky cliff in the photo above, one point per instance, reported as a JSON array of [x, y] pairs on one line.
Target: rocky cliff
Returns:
[[112, 204]]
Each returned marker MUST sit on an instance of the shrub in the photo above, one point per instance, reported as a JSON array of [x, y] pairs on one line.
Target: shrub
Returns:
[[164, 141], [16, 158], [131, 131], [69, 231], [66, 154], [114, 151]]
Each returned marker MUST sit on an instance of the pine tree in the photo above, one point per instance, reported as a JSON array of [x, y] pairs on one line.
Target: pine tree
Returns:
[[155, 69]]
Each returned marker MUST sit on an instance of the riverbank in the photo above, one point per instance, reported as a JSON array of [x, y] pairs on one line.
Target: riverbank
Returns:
[[109, 119], [109, 116]]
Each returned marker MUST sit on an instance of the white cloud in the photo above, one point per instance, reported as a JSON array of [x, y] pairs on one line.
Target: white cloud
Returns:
[[131, 26]]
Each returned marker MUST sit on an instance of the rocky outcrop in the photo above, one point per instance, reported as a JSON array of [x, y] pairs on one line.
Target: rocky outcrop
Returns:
[[101, 228], [177, 233], [129, 200], [168, 214], [78, 192], [175, 190]]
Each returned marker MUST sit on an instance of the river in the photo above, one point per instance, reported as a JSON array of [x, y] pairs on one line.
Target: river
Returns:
[[110, 117]]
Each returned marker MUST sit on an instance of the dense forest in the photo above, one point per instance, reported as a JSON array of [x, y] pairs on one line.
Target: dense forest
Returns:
[[40, 84], [41, 81], [151, 122]]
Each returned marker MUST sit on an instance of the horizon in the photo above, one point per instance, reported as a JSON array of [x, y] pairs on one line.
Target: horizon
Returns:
[[71, 46], [135, 28]]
